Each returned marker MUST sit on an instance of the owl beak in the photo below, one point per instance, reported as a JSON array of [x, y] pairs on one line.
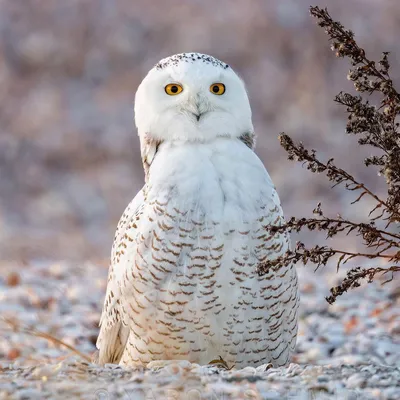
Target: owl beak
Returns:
[[198, 112], [196, 108]]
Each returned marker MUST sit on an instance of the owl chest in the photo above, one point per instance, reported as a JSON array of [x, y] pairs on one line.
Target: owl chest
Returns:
[[202, 220], [215, 183], [190, 248], [196, 269]]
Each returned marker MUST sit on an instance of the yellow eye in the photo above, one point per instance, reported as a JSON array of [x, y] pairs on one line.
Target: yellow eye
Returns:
[[173, 89], [217, 88]]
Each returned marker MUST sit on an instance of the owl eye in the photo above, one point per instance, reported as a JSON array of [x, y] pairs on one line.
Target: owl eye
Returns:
[[173, 89], [217, 88]]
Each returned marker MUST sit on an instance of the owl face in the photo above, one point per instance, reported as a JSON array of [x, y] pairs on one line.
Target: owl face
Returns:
[[192, 97]]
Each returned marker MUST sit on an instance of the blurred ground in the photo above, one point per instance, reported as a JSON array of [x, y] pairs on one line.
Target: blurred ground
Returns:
[[69, 153], [350, 350]]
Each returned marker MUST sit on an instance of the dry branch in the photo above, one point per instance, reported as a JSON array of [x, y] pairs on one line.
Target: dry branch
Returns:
[[374, 126]]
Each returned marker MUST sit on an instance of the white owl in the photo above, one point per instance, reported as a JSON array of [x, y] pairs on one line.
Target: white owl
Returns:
[[182, 282]]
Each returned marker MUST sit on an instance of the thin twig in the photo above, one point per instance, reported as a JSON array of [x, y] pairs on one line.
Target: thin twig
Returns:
[[34, 332]]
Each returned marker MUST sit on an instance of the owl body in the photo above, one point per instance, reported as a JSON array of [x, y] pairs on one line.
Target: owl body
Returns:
[[183, 280]]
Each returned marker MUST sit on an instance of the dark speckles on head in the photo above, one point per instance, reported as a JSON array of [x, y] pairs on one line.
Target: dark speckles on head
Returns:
[[190, 57]]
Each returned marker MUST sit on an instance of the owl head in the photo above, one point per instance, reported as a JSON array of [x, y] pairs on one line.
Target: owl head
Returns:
[[192, 97]]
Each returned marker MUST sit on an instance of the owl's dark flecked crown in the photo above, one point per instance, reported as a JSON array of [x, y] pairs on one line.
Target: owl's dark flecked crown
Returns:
[[176, 59]]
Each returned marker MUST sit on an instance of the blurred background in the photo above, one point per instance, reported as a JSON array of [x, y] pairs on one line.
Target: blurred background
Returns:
[[69, 153]]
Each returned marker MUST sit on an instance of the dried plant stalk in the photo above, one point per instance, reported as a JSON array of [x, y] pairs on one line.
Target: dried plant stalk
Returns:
[[374, 126], [16, 327]]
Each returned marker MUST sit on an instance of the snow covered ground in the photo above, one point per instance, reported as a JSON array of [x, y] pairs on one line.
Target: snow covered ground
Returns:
[[350, 350]]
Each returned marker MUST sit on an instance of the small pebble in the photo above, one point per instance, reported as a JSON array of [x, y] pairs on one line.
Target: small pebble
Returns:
[[13, 353], [13, 279]]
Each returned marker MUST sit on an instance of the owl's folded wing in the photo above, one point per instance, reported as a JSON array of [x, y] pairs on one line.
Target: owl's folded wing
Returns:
[[113, 333]]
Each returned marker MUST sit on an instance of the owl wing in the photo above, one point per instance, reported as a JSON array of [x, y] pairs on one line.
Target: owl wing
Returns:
[[113, 333], [281, 283]]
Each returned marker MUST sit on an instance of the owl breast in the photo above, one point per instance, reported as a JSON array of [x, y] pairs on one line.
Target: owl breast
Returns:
[[192, 290]]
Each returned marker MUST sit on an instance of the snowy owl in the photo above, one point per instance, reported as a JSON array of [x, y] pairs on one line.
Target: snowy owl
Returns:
[[183, 282]]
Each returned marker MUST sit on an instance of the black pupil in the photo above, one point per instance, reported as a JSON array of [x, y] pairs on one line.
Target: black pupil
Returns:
[[174, 89], [215, 89]]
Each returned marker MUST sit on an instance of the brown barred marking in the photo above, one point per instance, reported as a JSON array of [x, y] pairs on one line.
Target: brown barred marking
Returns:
[[248, 139]]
